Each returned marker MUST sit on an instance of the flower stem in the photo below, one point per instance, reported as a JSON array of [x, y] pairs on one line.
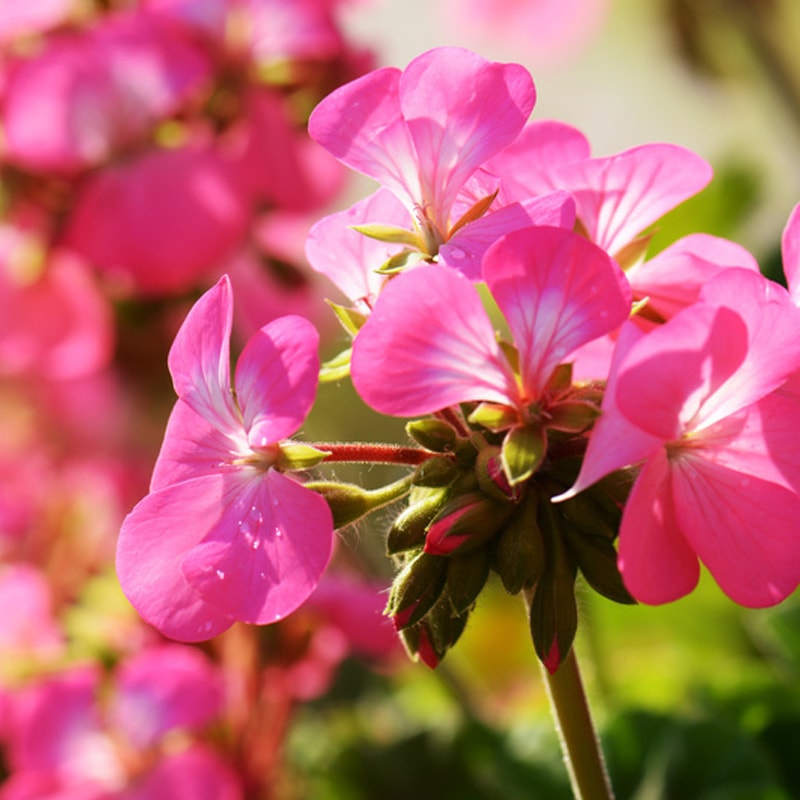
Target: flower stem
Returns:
[[579, 743], [373, 453]]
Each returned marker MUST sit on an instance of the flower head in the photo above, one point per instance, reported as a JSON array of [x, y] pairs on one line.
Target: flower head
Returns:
[[224, 535]]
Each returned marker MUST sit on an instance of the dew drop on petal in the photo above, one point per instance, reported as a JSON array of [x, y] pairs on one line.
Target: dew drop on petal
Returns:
[[220, 574], [456, 253]]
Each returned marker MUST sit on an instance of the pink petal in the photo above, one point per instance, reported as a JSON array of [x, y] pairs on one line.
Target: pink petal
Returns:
[[790, 247], [619, 196], [199, 359], [461, 109], [673, 278], [772, 322], [558, 291], [153, 543], [525, 167], [465, 250], [276, 379], [657, 563], [668, 375], [24, 19], [162, 689], [614, 442], [361, 124], [743, 528], [193, 446], [266, 551], [348, 258], [418, 353]]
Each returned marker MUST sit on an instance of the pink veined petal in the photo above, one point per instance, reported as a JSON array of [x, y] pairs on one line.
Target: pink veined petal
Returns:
[[361, 124], [192, 447], [772, 322], [762, 439], [199, 359], [615, 442], [162, 689], [743, 528], [153, 542], [429, 344], [266, 552], [671, 372], [525, 166], [790, 249], [673, 278], [619, 196], [460, 110], [349, 258], [276, 379], [656, 561], [558, 291], [465, 250]]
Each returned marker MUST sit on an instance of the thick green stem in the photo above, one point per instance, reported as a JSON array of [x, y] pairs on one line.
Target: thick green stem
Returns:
[[579, 743]]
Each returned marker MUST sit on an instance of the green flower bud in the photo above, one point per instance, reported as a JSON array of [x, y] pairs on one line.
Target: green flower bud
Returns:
[[408, 530], [432, 434], [297, 456], [466, 577], [436, 471], [347, 501], [519, 555], [415, 589]]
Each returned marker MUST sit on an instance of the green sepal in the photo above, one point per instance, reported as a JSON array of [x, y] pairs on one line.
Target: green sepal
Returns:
[[572, 416], [523, 450], [337, 368], [295, 456], [466, 577], [560, 380], [416, 588], [388, 233], [494, 416], [519, 556], [433, 434], [476, 211], [351, 320], [510, 352], [400, 261], [633, 253]]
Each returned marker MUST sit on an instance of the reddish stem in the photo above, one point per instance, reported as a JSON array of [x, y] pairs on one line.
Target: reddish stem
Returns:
[[373, 453]]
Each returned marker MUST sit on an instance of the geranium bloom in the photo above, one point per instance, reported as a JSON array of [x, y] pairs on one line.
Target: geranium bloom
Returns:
[[223, 534], [429, 343], [423, 132], [694, 403]]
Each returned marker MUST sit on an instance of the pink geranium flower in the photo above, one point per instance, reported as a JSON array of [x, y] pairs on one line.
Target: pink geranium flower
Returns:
[[430, 344], [423, 132], [694, 403], [224, 535]]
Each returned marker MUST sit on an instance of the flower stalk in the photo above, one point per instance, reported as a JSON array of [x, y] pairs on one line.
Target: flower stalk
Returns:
[[576, 732]]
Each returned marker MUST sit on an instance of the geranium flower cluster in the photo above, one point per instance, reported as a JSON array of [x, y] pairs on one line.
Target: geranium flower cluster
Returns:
[[564, 388]]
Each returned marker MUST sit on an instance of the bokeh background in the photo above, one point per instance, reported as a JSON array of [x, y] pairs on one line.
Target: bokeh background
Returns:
[[122, 199]]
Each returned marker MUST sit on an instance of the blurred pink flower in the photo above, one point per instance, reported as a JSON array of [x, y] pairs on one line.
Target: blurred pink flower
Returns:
[[32, 17], [223, 534]]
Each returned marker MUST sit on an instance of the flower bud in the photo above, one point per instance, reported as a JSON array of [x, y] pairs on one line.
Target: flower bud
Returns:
[[466, 522], [466, 577], [519, 555], [416, 588], [491, 478], [347, 501], [431, 638], [436, 471], [408, 530], [297, 456], [432, 434]]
